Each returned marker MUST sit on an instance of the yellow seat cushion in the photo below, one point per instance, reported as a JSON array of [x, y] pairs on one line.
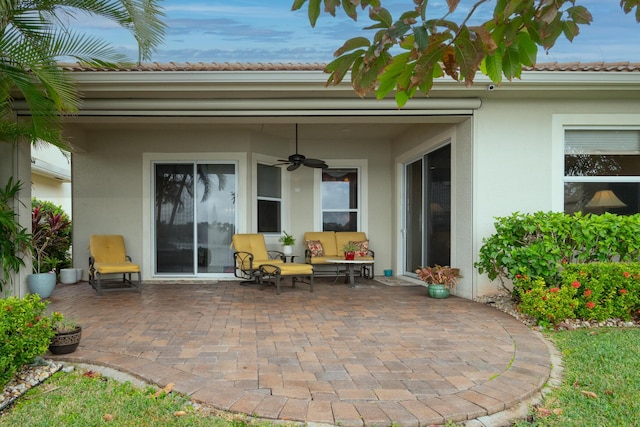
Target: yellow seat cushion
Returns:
[[118, 267], [290, 269]]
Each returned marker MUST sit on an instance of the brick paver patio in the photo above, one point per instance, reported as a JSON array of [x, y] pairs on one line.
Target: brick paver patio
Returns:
[[363, 356]]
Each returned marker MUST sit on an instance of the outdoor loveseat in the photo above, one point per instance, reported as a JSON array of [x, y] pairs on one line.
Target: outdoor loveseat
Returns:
[[322, 246]]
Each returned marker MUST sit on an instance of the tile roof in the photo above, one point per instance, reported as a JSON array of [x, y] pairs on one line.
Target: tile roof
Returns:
[[268, 66]]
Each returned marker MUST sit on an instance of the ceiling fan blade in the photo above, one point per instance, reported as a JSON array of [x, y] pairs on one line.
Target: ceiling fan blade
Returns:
[[293, 167], [315, 163]]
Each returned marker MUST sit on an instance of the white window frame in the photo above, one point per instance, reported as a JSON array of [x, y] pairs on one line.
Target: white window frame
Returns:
[[285, 196], [562, 122], [362, 166]]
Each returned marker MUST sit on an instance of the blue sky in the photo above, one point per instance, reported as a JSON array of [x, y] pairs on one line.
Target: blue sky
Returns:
[[268, 31]]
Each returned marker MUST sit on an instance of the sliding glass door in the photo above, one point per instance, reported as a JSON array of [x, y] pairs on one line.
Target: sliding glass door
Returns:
[[427, 210], [194, 217]]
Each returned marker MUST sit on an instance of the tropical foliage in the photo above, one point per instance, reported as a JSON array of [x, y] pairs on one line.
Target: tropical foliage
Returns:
[[431, 46], [15, 240], [596, 291], [51, 234], [26, 332], [539, 244], [35, 35]]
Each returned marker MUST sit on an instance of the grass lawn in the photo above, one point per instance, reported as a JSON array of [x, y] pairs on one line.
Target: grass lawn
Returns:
[[600, 387], [601, 380], [84, 398]]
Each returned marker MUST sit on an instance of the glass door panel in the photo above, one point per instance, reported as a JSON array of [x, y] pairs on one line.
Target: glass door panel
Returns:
[[174, 218], [190, 194], [413, 217], [215, 207], [438, 207], [427, 216]]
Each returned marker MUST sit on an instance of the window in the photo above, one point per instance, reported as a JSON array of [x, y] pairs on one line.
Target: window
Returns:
[[602, 171], [340, 200], [269, 199]]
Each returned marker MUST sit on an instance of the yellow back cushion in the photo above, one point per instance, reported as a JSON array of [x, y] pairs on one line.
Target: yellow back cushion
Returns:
[[107, 248], [344, 237], [327, 238], [252, 243]]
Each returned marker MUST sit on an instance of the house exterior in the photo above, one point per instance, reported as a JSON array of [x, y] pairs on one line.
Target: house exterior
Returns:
[[51, 176], [178, 157]]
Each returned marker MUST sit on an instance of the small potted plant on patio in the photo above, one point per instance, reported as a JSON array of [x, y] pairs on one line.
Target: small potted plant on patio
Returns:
[[350, 250], [51, 230], [67, 334], [439, 279], [287, 241]]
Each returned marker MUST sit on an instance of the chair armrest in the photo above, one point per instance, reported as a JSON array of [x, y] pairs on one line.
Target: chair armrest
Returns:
[[128, 258], [307, 256], [276, 254], [240, 257], [371, 254], [92, 261]]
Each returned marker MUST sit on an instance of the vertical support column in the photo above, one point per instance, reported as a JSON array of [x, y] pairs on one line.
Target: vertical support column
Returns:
[[15, 161]]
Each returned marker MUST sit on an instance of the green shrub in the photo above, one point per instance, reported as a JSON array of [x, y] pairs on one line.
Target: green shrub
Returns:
[[595, 291], [25, 332], [540, 244], [51, 228]]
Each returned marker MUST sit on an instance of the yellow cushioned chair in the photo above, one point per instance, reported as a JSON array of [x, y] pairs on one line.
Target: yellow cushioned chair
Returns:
[[250, 253], [297, 272], [108, 257]]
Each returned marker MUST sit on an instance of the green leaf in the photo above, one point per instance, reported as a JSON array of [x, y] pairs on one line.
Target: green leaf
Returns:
[[570, 30], [350, 9], [297, 4], [527, 49], [580, 15], [421, 37], [352, 44], [401, 98], [339, 67], [469, 54], [381, 15], [314, 11], [492, 67], [511, 65]]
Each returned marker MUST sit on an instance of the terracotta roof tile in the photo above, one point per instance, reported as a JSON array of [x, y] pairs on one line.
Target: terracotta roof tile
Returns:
[[268, 66]]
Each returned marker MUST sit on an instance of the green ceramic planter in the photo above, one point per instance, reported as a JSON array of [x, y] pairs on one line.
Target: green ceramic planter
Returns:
[[438, 291]]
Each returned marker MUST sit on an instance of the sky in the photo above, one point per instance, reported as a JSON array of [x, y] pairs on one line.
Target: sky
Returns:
[[268, 31]]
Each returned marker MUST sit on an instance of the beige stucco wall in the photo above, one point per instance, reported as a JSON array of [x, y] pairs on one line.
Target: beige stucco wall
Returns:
[[110, 179], [518, 164]]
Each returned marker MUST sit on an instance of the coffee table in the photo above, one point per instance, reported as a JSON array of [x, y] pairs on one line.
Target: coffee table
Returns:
[[350, 267]]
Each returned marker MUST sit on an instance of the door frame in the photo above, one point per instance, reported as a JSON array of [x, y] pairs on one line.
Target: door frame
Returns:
[[242, 217]]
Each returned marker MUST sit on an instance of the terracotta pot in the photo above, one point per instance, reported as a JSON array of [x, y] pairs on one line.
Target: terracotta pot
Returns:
[[65, 342]]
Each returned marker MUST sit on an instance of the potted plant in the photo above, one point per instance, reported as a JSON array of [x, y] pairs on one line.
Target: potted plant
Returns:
[[350, 250], [47, 233], [287, 241], [440, 279], [67, 334]]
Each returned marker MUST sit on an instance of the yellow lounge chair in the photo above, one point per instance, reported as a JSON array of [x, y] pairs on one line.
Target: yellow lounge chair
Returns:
[[108, 257]]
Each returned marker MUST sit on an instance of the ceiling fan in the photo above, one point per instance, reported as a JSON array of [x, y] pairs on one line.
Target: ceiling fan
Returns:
[[295, 160]]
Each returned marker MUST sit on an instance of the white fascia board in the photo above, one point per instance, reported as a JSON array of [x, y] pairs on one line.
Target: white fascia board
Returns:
[[40, 167]]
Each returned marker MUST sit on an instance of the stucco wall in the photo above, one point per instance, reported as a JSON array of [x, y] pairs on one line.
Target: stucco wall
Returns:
[[519, 156], [109, 181]]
